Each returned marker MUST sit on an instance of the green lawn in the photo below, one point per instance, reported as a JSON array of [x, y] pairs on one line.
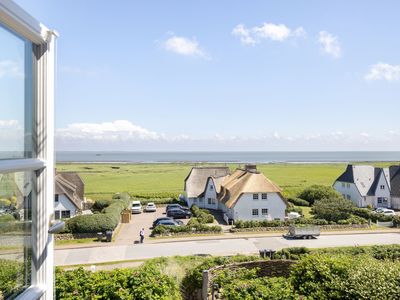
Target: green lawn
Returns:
[[166, 180]]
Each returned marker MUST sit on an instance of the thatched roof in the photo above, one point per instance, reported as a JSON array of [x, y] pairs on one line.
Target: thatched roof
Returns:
[[245, 181], [71, 185], [196, 181]]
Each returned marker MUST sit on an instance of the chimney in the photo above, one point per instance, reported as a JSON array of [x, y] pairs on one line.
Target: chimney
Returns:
[[250, 168]]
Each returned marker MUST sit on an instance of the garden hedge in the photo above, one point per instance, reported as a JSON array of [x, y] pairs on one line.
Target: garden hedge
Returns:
[[202, 215]]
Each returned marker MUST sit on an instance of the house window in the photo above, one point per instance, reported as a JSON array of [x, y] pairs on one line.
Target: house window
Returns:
[[343, 184], [348, 197], [264, 211], [57, 215], [66, 214], [348, 185], [209, 201], [211, 187], [56, 198], [254, 212], [382, 187], [255, 196], [264, 196]]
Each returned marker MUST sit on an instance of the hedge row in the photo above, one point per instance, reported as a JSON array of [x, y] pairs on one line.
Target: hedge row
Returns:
[[298, 201], [300, 221], [162, 230], [107, 220], [203, 215], [145, 283], [11, 277]]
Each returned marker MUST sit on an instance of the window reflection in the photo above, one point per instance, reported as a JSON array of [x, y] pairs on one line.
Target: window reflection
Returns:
[[15, 232], [16, 111]]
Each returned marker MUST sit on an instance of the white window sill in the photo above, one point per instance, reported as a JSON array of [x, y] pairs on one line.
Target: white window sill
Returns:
[[32, 293]]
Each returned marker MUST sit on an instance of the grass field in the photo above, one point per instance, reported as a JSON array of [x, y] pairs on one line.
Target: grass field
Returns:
[[166, 180]]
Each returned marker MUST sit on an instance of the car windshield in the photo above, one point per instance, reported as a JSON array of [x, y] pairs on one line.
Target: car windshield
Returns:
[[136, 204]]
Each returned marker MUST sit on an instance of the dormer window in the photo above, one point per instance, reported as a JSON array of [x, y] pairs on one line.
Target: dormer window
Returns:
[[211, 187], [382, 186]]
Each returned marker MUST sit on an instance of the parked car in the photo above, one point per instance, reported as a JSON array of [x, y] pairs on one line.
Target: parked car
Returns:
[[385, 211], [178, 213], [170, 222], [150, 207], [156, 221], [175, 205], [293, 215], [136, 207]]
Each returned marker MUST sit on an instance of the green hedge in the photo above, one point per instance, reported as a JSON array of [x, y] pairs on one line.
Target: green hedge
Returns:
[[107, 220], [145, 283], [370, 215], [298, 201], [7, 218], [202, 215], [11, 277], [190, 228]]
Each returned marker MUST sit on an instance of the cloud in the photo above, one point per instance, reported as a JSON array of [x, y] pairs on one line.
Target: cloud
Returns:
[[267, 31], [184, 46], [9, 68], [383, 71], [329, 44], [119, 130], [123, 135]]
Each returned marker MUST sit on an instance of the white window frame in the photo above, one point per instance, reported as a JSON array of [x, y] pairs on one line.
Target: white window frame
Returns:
[[16, 19], [266, 196], [255, 196], [262, 211], [253, 210]]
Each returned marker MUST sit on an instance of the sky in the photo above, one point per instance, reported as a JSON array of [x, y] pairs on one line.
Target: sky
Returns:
[[225, 75]]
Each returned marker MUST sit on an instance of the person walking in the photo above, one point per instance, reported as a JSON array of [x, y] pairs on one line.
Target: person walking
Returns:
[[141, 235]]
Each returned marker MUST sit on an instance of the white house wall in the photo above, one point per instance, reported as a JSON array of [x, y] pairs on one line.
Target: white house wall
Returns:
[[244, 206], [384, 193], [349, 190], [395, 202], [65, 204], [210, 194]]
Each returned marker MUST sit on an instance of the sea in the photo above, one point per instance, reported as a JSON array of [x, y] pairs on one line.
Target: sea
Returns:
[[226, 157]]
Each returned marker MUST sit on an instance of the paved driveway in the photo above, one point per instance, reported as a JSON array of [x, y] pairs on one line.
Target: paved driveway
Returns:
[[129, 233]]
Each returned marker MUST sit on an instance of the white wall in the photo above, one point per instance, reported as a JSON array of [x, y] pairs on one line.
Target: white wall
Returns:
[[350, 189], [395, 202], [274, 203], [65, 204], [210, 193], [382, 192]]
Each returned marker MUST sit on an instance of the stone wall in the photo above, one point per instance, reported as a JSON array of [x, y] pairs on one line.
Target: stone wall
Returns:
[[73, 236], [285, 228]]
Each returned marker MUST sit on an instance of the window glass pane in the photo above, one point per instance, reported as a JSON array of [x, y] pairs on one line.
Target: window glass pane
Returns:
[[16, 113], [15, 232]]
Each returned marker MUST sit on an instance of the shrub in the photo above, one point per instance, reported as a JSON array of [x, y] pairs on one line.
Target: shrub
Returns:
[[318, 192], [370, 215], [203, 215], [7, 218], [11, 277], [194, 227], [332, 209], [298, 201], [101, 204], [145, 283], [294, 209], [107, 220], [293, 253]]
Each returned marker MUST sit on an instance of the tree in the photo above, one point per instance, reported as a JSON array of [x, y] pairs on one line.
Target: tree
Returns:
[[317, 192], [332, 209]]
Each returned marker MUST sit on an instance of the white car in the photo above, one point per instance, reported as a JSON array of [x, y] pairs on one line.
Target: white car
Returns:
[[150, 207], [136, 207], [385, 211], [293, 215]]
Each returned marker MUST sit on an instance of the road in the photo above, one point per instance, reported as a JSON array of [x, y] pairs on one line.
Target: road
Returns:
[[250, 245]]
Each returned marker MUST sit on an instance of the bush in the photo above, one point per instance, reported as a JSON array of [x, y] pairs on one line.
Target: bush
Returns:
[[101, 204], [294, 209], [318, 192], [145, 283], [293, 253], [107, 220], [332, 209], [370, 215], [194, 227], [203, 215], [298, 201], [11, 277], [7, 218]]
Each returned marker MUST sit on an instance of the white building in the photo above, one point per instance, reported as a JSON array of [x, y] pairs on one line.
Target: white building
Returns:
[[246, 194], [68, 195], [370, 186]]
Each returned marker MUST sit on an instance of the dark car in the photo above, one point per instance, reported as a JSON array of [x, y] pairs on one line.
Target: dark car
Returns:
[[156, 221], [170, 222], [175, 205], [178, 213]]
